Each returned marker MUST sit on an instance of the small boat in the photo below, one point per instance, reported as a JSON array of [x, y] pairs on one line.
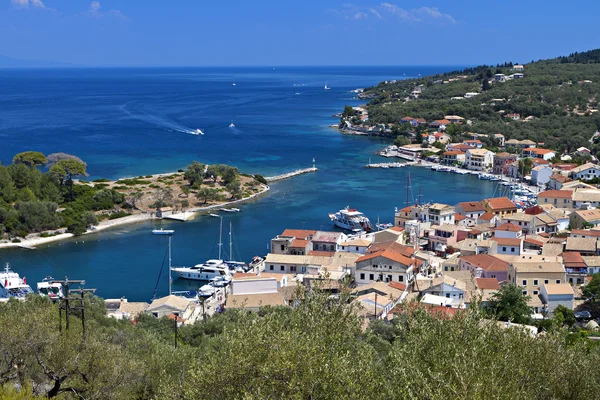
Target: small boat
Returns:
[[162, 231], [327, 87], [257, 264], [13, 286], [384, 226], [232, 125], [215, 215], [50, 289], [198, 131], [231, 210], [232, 81]]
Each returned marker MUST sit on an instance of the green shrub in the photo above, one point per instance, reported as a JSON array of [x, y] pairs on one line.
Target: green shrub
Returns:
[[261, 179], [118, 214], [15, 240]]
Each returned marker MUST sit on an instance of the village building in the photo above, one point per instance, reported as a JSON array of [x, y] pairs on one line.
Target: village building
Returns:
[[443, 236], [553, 295], [485, 266], [585, 246], [293, 241], [183, 309], [500, 138], [358, 245], [453, 157], [474, 144], [585, 218], [557, 198], [501, 162], [540, 175], [293, 264], [586, 172], [530, 276], [557, 181], [500, 206], [534, 152], [575, 267], [586, 198], [377, 299], [479, 159]]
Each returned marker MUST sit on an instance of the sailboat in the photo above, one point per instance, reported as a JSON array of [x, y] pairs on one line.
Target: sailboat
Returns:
[[207, 271], [235, 266], [327, 87]]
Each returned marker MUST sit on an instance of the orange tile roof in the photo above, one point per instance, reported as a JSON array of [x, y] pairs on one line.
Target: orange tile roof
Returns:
[[572, 259], [487, 262], [559, 194], [299, 243], [469, 206], [508, 227], [397, 285], [540, 161], [392, 255], [536, 150], [453, 153], [486, 216], [533, 241], [397, 229], [321, 253], [298, 233], [458, 217], [406, 209], [487, 283], [586, 232], [394, 246], [500, 203]]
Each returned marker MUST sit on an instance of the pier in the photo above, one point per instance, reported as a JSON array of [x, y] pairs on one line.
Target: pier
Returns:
[[391, 165], [290, 174]]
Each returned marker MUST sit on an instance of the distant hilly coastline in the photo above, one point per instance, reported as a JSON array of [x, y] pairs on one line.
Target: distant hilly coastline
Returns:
[[10, 62]]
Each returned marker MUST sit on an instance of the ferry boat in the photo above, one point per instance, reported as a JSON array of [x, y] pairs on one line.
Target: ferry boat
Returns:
[[47, 288], [12, 286], [351, 219], [204, 272]]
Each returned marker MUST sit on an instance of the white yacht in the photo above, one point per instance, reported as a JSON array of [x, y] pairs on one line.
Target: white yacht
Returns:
[[204, 272], [47, 288], [327, 87], [198, 131], [12, 286], [162, 231], [351, 219], [232, 125]]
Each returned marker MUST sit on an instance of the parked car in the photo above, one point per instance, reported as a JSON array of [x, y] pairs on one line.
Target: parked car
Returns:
[[583, 315]]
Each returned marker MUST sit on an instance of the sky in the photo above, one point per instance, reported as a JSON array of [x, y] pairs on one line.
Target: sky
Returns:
[[284, 32]]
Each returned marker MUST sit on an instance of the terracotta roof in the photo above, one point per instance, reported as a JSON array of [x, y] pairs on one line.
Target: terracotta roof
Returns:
[[460, 146], [458, 217], [470, 206], [572, 259], [589, 215], [299, 243], [254, 300], [396, 229], [538, 161], [500, 203], [504, 154], [298, 233], [397, 285], [486, 216], [474, 141], [407, 119], [487, 283], [392, 255], [508, 241], [487, 262], [391, 245], [560, 178], [559, 194], [508, 227], [533, 241], [535, 150], [582, 244], [321, 253], [586, 232], [453, 153]]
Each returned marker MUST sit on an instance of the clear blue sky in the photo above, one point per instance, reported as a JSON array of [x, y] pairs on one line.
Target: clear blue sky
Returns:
[[284, 32]]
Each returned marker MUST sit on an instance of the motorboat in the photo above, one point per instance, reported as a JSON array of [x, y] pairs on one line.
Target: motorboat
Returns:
[[257, 264], [198, 131], [162, 231], [351, 219], [230, 210], [215, 215], [48, 288], [204, 272], [327, 87], [12, 285], [384, 226], [232, 125]]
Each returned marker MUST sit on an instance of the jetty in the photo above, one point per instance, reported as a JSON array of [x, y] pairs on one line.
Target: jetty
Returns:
[[290, 174], [391, 165]]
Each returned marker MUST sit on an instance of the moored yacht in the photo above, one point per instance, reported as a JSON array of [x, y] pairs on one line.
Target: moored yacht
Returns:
[[204, 272], [47, 288], [351, 219], [12, 286]]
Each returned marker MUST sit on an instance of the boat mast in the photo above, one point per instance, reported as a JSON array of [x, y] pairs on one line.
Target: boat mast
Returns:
[[407, 189], [170, 280], [221, 238], [230, 244]]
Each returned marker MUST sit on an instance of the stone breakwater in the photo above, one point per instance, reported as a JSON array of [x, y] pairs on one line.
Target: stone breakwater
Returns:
[[290, 174]]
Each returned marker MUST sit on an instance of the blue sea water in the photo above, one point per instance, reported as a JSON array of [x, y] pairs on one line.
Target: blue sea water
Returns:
[[130, 122]]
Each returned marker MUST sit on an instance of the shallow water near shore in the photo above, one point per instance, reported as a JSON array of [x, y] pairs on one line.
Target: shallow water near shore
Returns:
[[130, 122]]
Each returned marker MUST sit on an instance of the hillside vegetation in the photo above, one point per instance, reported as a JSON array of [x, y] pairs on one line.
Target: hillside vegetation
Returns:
[[318, 350], [561, 94]]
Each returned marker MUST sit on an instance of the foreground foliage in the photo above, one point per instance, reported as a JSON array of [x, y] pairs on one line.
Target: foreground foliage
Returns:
[[317, 350]]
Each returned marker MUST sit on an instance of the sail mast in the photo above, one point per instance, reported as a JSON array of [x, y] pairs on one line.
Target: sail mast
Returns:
[[170, 279], [230, 244], [220, 238]]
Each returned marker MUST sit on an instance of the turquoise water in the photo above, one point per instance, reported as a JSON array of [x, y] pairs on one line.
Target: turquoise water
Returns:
[[129, 122]]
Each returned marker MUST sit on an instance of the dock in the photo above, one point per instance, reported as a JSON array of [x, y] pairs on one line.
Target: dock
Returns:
[[182, 216], [391, 165], [290, 174]]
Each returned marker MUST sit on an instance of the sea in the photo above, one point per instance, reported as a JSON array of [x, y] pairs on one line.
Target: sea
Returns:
[[126, 122]]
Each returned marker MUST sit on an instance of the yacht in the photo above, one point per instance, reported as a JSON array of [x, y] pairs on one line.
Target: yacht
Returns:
[[198, 131], [231, 210], [351, 219], [204, 272], [47, 288], [327, 87], [232, 125], [12, 286]]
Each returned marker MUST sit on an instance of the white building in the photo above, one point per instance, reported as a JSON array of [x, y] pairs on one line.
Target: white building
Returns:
[[479, 159], [540, 175], [586, 172]]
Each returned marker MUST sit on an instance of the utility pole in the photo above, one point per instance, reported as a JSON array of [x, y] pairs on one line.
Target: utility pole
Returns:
[[65, 302], [175, 327], [82, 292]]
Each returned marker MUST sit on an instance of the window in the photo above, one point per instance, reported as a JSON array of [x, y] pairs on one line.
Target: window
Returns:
[[448, 295], [401, 278], [492, 276], [524, 282], [535, 292], [535, 282], [356, 248], [545, 281], [271, 267], [362, 277], [558, 281], [512, 249], [525, 292], [446, 268], [155, 314], [282, 247], [282, 268], [293, 268], [371, 277], [504, 249]]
